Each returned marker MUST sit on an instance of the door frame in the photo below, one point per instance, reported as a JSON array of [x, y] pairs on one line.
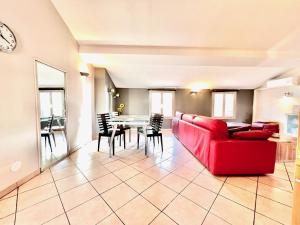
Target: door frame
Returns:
[[38, 113]]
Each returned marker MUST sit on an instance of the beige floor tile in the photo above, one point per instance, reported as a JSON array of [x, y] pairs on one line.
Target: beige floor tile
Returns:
[[8, 206], [274, 210], [11, 194], [40, 213], [140, 182], [232, 212], [111, 220], [65, 172], [275, 182], [70, 182], [162, 219], [91, 212], [29, 198], [156, 172], [169, 165], [126, 173], [207, 173], [115, 165], [60, 220], [137, 212], [185, 212], [214, 220], [280, 174], [63, 164], [106, 182], [239, 195], [143, 164], [39, 180], [209, 183], [77, 196], [96, 172], [186, 173], [276, 194], [199, 195], [159, 195], [89, 165], [119, 195], [262, 220], [195, 165], [174, 182], [9, 220], [243, 182]]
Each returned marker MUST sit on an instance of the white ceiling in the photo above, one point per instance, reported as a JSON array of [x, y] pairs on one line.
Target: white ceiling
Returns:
[[163, 43]]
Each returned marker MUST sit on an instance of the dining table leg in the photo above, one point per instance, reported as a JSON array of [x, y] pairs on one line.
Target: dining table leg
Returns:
[[112, 139], [146, 140]]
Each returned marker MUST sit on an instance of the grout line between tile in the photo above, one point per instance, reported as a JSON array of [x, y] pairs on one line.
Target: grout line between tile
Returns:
[[288, 175], [60, 199], [16, 209], [255, 201]]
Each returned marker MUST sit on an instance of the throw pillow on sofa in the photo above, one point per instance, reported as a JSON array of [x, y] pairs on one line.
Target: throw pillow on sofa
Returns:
[[252, 135]]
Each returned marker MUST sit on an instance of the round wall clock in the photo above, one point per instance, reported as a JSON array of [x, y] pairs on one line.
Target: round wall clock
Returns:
[[8, 41]]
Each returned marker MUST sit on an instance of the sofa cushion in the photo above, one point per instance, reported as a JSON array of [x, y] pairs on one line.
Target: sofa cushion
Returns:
[[252, 135], [237, 129], [188, 117], [217, 127]]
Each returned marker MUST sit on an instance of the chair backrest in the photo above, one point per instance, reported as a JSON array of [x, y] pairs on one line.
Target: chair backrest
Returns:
[[103, 124], [156, 121]]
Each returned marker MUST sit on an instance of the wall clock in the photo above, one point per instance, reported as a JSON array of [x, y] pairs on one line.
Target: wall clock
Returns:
[[8, 41]]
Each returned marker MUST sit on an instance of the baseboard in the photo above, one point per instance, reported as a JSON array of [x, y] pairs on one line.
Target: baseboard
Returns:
[[19, 183]]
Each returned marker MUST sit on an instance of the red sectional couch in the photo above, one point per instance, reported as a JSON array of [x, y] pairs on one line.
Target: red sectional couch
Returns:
[[207, 139]]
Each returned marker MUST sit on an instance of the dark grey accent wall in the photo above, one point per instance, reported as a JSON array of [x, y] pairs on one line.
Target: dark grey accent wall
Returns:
[[137, 102]]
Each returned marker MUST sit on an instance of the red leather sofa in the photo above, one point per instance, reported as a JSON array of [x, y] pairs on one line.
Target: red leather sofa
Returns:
[[207, 139], [271, 126]]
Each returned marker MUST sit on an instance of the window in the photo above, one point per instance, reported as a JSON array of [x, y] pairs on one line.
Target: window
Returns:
[[224, 105], [52, 103], [162, 102]]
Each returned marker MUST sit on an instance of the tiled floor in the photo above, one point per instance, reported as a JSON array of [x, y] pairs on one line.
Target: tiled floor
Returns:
[[164, 189]]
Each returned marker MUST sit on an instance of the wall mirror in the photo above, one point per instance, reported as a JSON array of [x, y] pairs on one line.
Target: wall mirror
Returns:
[[52, 114]]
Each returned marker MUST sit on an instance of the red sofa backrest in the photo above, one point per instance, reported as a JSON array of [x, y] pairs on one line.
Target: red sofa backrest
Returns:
[[188, 117], [217, 127]]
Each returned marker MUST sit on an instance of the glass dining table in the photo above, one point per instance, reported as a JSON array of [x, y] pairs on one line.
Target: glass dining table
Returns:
[[129, 120]]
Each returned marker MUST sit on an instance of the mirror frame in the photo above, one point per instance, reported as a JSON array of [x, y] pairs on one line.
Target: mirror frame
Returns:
[[37, 110]]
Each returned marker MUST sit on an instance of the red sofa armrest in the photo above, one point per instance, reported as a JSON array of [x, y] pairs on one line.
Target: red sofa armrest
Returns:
[[242, 157]]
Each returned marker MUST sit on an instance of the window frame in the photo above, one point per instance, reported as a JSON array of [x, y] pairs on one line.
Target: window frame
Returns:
[[224, 104], [161, 107]]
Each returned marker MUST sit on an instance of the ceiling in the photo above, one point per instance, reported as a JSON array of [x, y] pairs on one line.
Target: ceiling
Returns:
[[173, 43]]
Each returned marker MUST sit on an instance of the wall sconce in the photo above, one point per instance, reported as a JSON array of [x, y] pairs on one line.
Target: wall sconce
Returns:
[[84, 70], [113, 93]]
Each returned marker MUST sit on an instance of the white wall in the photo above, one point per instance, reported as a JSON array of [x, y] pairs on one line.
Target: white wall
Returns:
[[271, 104], [41, 34]]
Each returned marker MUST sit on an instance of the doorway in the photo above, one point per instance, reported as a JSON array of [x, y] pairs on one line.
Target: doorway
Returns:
[[53, 144]]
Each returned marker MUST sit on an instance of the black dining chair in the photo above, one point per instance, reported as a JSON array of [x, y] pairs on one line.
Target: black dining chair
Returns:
[[105, 130], [121, 127], [156, 121], [47, 132]]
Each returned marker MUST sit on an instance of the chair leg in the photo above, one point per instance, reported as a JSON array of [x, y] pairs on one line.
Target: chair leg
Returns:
[[114, 146], [120, 139], [153, 141], [158, 140], [45, 142], [124, 140], [99, 139], [49, 142], [130, 135], [138, 140], [53, 136], [161, 142]]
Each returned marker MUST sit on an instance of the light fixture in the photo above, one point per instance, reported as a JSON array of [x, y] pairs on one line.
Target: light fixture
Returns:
[[84, 71], [197, 87], [113, 93]]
